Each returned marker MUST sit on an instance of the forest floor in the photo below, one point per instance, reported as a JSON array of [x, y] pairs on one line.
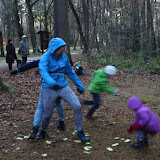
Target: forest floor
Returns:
[[110, 126]]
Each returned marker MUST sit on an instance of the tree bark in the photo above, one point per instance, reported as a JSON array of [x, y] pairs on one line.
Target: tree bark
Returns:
[[61, 23], [17, 20], [1, 44], [31, 24]]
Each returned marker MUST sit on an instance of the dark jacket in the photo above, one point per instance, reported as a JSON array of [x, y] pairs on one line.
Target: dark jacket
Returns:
[[11, 55]]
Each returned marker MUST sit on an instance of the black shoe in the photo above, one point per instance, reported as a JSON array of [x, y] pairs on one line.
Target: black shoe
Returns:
[[146, 142], [41, 135], [34, 133], [138, 145], [89, 116], [14, 72], [82, 137], [61, 125]]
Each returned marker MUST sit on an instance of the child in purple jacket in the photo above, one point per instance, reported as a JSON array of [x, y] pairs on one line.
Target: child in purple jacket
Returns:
[[146, 122]]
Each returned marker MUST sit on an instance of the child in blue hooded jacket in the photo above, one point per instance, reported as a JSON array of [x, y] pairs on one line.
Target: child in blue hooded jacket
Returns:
[[53, 67]]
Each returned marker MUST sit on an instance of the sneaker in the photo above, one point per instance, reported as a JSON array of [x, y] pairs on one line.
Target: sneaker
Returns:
[[82, 137], [41, 135], [89, 116], [61, 125], [34, 133], [138, 145]]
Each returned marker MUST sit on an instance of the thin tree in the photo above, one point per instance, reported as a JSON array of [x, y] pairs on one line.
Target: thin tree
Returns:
[[79, 26]]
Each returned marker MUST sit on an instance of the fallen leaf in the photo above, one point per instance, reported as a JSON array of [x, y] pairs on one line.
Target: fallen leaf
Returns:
[[48, 142], [87, 152], [65, 139], [86, 148], [86, 134], [77, 141], [127, 140], [89, 147], [115, 144], [19, 138], [74, 132], [26, 137], [109, 149], [87, 143], [44, 155]]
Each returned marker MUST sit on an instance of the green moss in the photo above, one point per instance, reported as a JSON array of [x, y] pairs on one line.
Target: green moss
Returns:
[[7, 87]]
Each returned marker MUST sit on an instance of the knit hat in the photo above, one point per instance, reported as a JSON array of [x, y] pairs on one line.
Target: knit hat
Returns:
[[110, 70], [24, 36]]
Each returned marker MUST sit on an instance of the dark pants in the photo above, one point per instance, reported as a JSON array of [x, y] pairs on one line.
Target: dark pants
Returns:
[[24, 60], [95, 102], [10, 66], [141, 135]]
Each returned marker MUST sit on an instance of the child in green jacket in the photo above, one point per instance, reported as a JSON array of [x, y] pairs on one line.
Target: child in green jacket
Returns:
[[99, 84]]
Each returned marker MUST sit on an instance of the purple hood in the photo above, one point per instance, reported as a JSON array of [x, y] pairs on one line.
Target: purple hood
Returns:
[[134, 103]]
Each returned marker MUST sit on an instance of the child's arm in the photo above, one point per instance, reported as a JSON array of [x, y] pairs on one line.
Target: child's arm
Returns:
[[144, 120]]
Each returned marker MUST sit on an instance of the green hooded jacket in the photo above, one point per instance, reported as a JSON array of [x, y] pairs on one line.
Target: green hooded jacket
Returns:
[[100, 83]]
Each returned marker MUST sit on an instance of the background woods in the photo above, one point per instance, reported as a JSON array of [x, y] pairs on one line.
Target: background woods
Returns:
[[108, 26]]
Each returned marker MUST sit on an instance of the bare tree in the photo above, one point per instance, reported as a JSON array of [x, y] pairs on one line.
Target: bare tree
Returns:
[[62, 24], [31, 22], [17, 20]]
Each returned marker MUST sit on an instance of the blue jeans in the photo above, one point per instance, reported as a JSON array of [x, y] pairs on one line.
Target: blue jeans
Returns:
[[95, 102], [39, 110]]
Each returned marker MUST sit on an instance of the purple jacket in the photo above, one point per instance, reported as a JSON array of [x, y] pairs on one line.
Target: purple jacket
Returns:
[[147, 119]]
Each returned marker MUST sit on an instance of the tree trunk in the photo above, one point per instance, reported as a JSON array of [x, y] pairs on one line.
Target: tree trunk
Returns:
[[136, 27], [1, 44], [85, 7], [78, 26], [61, 23], [31, 24], [17, 20], [45, 16], [150, 25]]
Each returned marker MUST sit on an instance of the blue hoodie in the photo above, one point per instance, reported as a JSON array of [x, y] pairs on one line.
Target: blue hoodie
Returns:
[[54, 68]]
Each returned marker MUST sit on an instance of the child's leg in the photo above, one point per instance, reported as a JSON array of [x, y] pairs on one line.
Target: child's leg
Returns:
[[96, 99], [39, 111], [37, 116], [141, 135]]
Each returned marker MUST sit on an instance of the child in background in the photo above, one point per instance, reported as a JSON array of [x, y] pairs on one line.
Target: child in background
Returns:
[[146, 122], [99, 84]]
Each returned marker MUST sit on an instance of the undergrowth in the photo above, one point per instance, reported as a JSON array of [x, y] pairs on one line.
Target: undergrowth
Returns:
[[122, 63]]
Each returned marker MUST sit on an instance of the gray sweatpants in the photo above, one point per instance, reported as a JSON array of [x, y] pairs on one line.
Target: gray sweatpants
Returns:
[[49, 99]]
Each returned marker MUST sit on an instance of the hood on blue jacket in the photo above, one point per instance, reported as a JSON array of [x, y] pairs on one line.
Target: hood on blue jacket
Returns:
[[55, 43], [134, 103]]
